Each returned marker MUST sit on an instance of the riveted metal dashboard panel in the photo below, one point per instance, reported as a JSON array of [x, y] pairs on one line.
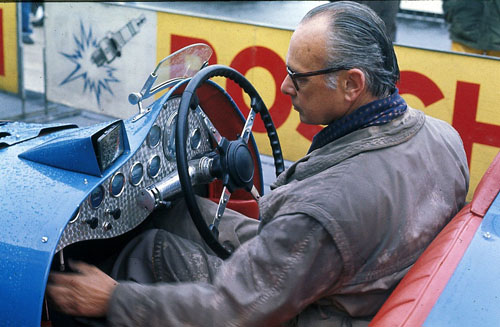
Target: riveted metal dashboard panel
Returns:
[[84, 226]]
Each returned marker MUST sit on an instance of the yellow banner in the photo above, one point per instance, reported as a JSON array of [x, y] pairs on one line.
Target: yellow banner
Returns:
[[459, 89], [462, 90], [8, 48]]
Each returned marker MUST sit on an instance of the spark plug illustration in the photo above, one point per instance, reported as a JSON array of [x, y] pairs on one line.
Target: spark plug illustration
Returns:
[[111, 45]]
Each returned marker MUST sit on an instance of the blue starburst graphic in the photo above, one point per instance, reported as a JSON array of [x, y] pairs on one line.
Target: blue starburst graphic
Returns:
[[95, 79]]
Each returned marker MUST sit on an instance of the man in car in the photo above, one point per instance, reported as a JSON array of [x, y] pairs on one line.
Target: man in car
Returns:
[[341, 226]]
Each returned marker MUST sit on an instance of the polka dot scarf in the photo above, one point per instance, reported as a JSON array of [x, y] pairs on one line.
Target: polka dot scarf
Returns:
[[378, 112]]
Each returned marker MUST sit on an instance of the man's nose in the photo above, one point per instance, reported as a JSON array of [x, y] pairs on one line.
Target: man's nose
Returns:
[[287, 86]]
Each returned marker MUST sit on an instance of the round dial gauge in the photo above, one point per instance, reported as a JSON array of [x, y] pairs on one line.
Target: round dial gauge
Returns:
[[195, 139], [96, 197], [154, 166], [117, 184], [136, 174], [154, 136], [75, 217], [169, 137]]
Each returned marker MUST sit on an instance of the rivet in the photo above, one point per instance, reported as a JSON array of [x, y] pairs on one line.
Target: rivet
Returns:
[[45, 239], [85, 181], [487, 235]]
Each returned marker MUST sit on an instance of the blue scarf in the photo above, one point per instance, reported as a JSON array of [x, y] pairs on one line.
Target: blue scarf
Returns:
[[378, 112]]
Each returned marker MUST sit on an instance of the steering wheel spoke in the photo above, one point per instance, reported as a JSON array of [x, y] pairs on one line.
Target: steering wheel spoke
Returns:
[[247, 129], [224, 199], [255, 193], [214, 133]]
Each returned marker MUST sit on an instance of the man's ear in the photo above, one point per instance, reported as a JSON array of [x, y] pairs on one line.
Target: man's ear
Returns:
[[354, 84]]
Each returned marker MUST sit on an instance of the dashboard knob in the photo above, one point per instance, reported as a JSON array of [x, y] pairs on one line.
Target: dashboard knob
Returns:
[[93, 222], [116, 213]]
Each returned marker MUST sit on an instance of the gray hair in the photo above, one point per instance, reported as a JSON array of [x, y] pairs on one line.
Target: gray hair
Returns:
[[357, 39]]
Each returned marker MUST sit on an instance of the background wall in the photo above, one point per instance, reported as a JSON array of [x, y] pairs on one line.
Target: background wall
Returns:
[[460, 89]]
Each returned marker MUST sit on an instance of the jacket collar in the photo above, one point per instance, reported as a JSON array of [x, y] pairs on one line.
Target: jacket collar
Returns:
[[375, 113], [395, 132]]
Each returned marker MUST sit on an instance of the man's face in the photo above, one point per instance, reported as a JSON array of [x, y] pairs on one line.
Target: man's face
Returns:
[[315, 101]]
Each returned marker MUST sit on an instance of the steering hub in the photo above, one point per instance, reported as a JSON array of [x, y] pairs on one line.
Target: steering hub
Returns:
[[237, 162]]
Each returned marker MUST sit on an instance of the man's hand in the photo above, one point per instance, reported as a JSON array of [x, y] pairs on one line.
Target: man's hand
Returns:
[[85, 293]]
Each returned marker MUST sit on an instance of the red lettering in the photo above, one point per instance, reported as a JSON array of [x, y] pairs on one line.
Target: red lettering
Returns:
[[178, 42], [2, 61], [268, 59], [420, 86], [308, 131], [464, 119]]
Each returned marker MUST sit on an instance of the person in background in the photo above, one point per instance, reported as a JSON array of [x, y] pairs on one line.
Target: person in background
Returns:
[[37, 9], [387, 11], [474, 26], [340, 227], [25, 21]]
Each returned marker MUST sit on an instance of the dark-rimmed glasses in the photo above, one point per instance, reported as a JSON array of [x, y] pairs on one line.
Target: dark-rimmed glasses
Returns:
[[294, 75]]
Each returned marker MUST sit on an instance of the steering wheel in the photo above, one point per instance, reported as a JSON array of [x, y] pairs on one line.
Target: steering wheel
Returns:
[[232, 161]]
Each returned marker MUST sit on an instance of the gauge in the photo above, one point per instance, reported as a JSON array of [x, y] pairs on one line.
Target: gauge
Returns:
[[136, 174], [154, 136], [154, 166], [109, 145], [169, 137], [195, 139], [117, 184], [75, 217], [96, 197]]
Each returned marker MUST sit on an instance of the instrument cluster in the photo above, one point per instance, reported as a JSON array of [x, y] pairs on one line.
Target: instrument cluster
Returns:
[[111, 209]]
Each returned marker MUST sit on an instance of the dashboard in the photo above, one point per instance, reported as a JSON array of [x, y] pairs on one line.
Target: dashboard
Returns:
[[112, 208]]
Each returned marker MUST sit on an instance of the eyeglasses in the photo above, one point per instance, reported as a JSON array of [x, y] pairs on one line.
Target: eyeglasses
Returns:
[[294, 75]]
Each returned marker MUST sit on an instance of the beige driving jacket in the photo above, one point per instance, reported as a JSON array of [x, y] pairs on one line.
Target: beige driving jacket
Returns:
[[339, 230]]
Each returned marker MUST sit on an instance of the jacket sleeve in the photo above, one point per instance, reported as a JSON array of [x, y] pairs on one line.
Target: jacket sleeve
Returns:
[[267, 281]]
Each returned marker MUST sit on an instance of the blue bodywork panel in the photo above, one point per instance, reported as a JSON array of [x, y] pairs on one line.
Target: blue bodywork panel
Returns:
[[16, 132], [47, 174], [472, 295], [32, 225], [74, 151]]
